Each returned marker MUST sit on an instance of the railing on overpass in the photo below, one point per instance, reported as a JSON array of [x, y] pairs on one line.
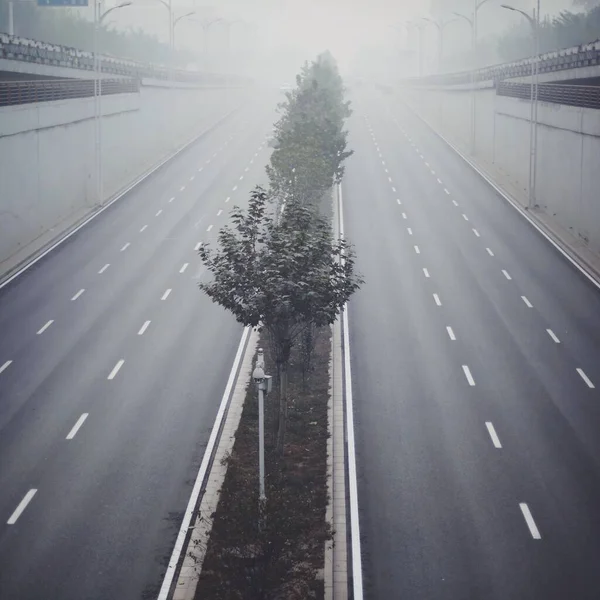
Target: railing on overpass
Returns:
[[557, 93], [35, 51], [25, 92], [569, 58]]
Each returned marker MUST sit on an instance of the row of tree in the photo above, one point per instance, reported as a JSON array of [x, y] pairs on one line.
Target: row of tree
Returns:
[[278, 266], [66, 27], [563, 31]]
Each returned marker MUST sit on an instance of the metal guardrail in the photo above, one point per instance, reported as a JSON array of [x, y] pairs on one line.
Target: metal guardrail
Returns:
[[25, 92], [587, 55], [16, 48], [557, 93]]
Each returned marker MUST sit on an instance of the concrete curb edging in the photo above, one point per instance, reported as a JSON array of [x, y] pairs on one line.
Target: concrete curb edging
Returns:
[[575, 258], [336, 554], [189, 574]]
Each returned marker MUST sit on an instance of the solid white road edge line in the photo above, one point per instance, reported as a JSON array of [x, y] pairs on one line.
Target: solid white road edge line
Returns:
[[535, 534], [77, 426], [493, 434], [187, 517], [22, 506], [352, 477]]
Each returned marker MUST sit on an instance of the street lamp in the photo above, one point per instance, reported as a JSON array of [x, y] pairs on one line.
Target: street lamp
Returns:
[[99, 16], [419, 26], [189, 14], [206, 25], [440, 26], [535, 24]]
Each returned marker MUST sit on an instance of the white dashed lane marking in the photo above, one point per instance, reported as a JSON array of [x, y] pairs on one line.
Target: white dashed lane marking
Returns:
[[143, 328], [527, 303], [437, 299], [585, 378], [116, 369], [489, 252], [103, 268], [125, 247], [22, 506], [468, 375], [553, 336], [535, 534], [209, 228], [184, 267], [5, 366], [159, 212], [166, 294], [493, 434], [40, 331], [143, 228], [451, 333], [476, 232], [77, 294], [505, 273], [426, 272], [77, 426]]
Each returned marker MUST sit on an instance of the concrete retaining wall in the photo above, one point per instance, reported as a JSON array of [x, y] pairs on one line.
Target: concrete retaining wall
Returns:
[[47, 152], [568, 157]]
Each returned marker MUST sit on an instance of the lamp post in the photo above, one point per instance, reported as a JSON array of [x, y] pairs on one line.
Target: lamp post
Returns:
[[189, 14], [535, 24], [418, 26], [99, 16], [206, 25], [168, 5], [440, 27]]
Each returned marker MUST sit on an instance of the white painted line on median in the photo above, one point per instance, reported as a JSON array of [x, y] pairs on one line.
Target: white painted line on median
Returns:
[[166, 294], [143, 328], [143, 228], [22, 506], [468, 375], [585, 378], [103, 268], [417, 250], [189, 511], [455, 202], [553, 335], [489, 252], [125, 247], [383, 163], [450, 333], [526, 300], [409, 230], [184, 267], [5, 366], [234, 188], [219, 213], [198, 246], [437, 299], [116, 369], [182, 188], [357, 582], [77, 294], [77, 426], [426, 272], [493, 434], [505, 273], [476, 232], [209, 228], [465, 217], [535, 534], [446, 190], [40, 331], [159, 212]]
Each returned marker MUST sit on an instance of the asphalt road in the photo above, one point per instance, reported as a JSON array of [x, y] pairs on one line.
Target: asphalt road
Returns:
[[477, 436], [111, 325]]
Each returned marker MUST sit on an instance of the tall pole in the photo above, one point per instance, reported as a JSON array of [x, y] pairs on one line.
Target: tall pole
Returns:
[[533, 200], [97, 159], [473, 91], [11, 19]]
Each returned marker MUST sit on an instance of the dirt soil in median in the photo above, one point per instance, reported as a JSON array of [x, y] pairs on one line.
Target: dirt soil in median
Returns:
[[282, 559]]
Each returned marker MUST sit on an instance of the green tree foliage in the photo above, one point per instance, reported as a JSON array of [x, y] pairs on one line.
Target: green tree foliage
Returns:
[[563, 31], [310, 141], [283, 274]]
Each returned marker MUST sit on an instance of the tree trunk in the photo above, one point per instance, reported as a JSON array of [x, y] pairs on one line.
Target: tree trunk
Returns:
[[283, 407]]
